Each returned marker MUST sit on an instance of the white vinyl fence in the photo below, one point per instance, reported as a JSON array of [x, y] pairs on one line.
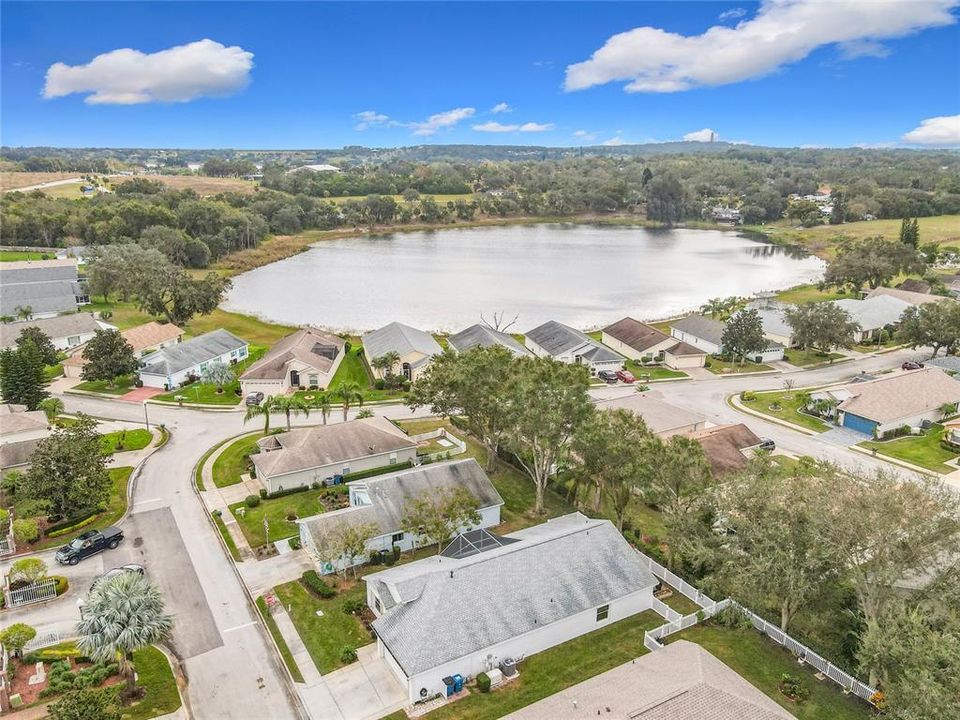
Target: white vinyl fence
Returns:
[[7, 545], [675, 623], [42, 640], [33, 593], [457, 446]]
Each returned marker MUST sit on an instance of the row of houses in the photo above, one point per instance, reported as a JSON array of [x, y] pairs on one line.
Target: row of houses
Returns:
[[41, 288]]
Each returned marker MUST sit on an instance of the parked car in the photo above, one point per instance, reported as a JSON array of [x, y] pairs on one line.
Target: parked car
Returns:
[[911, 365], [626, 376], [608, 376], [767, 444], [90, 543], [123, 569], [254, 398]]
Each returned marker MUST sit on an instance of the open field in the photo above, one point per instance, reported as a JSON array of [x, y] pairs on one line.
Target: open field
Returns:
[[441, 199], [14, 180], [201, 184]]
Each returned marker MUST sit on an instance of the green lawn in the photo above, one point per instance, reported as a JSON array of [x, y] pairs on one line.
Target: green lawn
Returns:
[[198, 471], [802, 294], [656, 372], [681, 603], [15, 255], [923, 450], [132, 440], [941, 229], [325, 636], [232, 462], [278, 639], [353, 368], [304, 504], [206, 394], [153, 674], [789, 408], [227, 538], [725, 367], [553, 670], [120, 386], [805, 358], [762, 662], [51, 372]]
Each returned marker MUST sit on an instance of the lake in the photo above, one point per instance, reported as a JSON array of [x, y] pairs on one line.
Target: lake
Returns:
[[582, 275]]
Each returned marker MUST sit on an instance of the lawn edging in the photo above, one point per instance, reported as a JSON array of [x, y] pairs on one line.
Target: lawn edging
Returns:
[[758, 373], [733, 401], [895, 461]]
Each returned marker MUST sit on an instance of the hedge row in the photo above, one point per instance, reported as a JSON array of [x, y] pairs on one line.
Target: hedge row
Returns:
[[372, 472]]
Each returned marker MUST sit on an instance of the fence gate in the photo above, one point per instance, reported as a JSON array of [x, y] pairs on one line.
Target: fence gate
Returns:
[[6, 546], [37, 592]]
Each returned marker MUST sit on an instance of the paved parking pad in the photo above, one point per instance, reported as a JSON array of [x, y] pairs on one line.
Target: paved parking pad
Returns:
[[367, 688], [152, 539]]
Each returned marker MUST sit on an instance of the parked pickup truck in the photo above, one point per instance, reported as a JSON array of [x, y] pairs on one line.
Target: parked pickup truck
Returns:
[[90, 543]]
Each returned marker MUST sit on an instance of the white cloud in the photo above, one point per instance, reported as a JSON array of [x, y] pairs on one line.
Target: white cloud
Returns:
[[129, 77], [445, 119], [614, 141], [863, 48], [705, 135], [370, 118], [501, 108], [496, 127], [649, 59], [941, 131], [732, 14], [585, 135]]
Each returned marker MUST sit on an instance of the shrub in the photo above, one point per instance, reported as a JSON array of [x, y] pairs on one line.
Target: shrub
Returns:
[[251, 501], [353, 607], [317, 585], [290, 513], [793, 688], [4, 517], [348, 654], [27, 570], [289, 491], [747, 396], [70, 529], [61, 584], [25, 530], [263, 493], [483, 682], [380, 384], [315, 485], [295, 543]]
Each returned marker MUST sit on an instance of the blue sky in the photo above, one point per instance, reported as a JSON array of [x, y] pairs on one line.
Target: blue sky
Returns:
[[298, 75]]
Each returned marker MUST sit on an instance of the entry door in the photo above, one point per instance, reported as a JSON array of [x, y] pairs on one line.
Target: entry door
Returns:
[[294, 378]]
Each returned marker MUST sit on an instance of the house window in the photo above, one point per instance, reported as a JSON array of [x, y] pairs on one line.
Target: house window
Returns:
[[203, 366], [376, 604], [314, 379], [242, 352], [603, 612], [345, 470], [73, 340], [397, 537], [393, 458]]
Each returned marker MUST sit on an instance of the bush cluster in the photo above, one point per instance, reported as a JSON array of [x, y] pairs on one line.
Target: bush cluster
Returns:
[[483, 682], [317, 585], [251, 501], [62, 679]]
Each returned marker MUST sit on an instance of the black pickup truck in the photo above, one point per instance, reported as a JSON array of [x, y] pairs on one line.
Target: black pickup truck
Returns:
[[90, 543]]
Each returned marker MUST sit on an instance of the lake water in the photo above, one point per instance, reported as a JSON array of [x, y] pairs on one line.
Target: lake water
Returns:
[[582, 275]]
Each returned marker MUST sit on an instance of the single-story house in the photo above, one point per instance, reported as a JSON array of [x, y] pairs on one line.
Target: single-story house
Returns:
[[568, 345], [951, 432], [319, 168], [475, 605], [416, 348], [775, 325], [480, 335], [309, 358], [144, 339], [381, 501], [914, 298], [173, 365], [661, 417], [65, 331], [681, 681], [307, 455], [914, 285], [707, 335], [727, 448], [873, 314], [20, 431], [879, 406], [636, 340], [46, 287], [682, 355]]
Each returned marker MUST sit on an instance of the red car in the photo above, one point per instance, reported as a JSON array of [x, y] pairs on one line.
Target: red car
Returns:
[[625, 376]]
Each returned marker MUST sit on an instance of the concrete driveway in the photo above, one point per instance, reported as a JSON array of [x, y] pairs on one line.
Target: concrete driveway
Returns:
[[366, 689]]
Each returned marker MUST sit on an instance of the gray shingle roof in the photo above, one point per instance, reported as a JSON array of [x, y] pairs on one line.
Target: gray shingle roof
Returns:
[[389, 493], [47, 286], [701, 327], [448, 608], [61, 326], [874, 312], [951, 363], [315, 348], [399, 338], [480, 335], [557, 339], [206, 347]]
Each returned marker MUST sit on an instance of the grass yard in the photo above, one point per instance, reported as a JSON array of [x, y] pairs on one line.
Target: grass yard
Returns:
[[553, 670], [51, 372], [353, 368], [131, 440], [941, 229], [120, 386], [923, 450], [16, 255], [762, 662], [724, 367], [206, 393], [790, 408], [806, 358], [232, 462], [656, 372], [227, 538], [681, 603], [278, 639], [154, 675], [802, 294], [325, 636], [303, 504]]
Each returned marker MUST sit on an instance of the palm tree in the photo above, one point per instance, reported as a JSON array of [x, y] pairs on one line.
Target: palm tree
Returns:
[[24, 312], [267, 406], [714, 307], [946, 410], [122, 614], [348, 393], [291, 405], [322, 402], [386, 362], [51, 407], [217, 373]]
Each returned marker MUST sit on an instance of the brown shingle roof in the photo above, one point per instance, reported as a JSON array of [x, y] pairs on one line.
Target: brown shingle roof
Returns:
[[660, 416], [723, 447], [914, 298], [681, 349], [901, 396], [635, 334], [314, 348], [151, 334], [16, 418]]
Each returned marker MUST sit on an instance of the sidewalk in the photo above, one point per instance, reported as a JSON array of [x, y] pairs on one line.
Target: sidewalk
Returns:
[[311, 676]]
